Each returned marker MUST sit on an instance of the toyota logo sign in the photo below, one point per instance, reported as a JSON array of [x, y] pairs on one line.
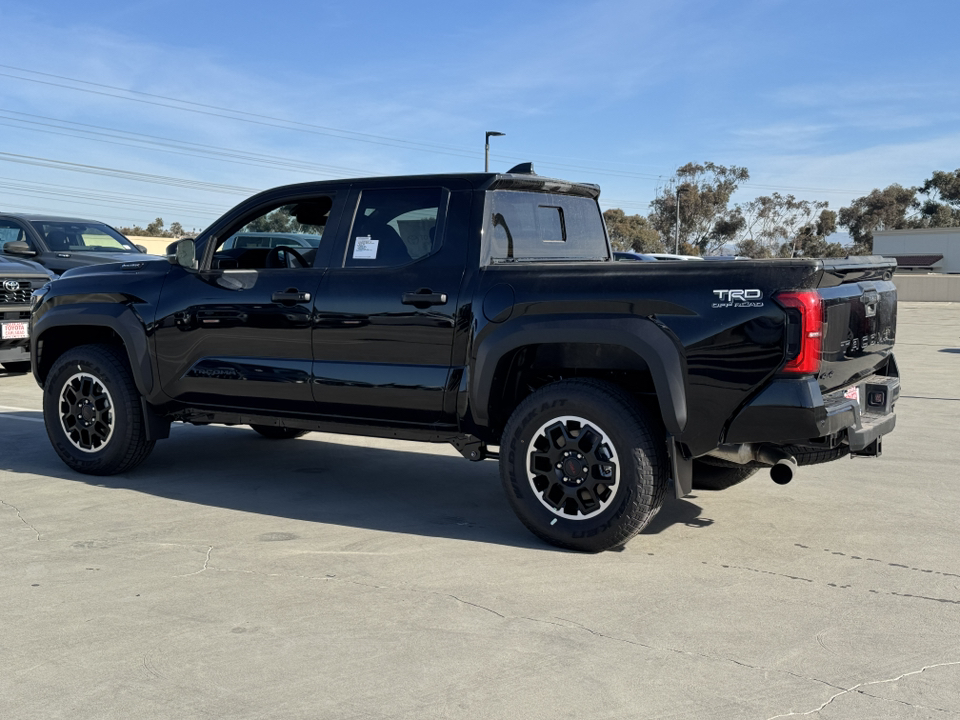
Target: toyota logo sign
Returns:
[[11, 285]]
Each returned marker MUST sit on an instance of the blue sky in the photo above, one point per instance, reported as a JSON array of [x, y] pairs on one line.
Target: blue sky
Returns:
[[826, 100]]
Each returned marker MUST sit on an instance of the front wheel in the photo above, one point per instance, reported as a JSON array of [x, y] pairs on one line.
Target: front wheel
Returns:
[[92, 412], [583, 466]]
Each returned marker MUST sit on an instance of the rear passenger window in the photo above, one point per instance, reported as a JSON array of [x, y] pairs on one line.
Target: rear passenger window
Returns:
[[542, 226], [394, 227]]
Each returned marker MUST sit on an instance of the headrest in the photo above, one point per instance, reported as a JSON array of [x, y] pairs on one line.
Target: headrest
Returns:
[[313, 212]]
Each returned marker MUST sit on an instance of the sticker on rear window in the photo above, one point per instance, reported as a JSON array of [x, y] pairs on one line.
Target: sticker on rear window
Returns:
[[365, 248]]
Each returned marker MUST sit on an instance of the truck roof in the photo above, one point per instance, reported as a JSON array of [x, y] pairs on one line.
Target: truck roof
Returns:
[[530, 182], [49, 218]]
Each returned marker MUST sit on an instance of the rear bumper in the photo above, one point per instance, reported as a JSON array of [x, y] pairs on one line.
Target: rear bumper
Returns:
[[794, 411], [863, 421]]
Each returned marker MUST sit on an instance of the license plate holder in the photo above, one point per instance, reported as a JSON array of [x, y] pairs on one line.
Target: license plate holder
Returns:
[[14, 331]]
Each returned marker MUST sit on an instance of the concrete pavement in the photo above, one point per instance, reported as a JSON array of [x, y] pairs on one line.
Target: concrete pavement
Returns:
[[232, 576]]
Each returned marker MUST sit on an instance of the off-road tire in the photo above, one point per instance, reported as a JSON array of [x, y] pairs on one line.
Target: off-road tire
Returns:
[[127, 446], [279, 433], [637, 440], [22, 366]]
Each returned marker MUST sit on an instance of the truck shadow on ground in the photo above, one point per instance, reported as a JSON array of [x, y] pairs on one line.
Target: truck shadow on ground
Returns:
[[310, 479]]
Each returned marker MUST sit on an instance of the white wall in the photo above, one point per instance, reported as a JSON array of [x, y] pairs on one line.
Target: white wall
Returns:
[[934, 241], [927, 288]]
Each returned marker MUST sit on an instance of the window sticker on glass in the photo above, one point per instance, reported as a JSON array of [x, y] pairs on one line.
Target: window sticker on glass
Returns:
[[365, 248]]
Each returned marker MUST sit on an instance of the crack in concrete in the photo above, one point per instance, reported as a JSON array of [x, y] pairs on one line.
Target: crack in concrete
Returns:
[[893, 593], [903, 702], [360, 584], [467, 602], [206, 562], [22, 519], [714, 658], [343, 580], [901, 566], [867, 684], [655, 648]]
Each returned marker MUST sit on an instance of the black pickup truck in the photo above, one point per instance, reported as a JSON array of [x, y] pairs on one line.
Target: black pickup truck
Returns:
[[484, 310]]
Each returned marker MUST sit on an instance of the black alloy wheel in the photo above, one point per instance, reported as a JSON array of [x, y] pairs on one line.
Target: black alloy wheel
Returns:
[[572, 467], [86, 412], [583, 465]]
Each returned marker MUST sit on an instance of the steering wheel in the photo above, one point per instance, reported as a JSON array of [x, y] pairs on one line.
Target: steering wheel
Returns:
[[291, 258]]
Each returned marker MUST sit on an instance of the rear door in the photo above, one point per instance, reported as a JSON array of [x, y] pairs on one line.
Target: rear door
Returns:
[[387, 308]]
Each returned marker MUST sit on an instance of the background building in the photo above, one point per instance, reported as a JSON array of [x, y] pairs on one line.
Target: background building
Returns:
[[928, 250]]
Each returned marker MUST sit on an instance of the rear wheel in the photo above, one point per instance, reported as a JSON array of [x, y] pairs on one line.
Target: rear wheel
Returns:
[[583, 466], [91, 409], [279, 433]]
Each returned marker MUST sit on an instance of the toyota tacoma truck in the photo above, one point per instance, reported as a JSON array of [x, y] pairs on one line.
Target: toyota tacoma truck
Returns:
[[487, 311], [18, 279]]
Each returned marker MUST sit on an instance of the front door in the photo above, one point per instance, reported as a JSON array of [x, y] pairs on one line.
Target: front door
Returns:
[[236, 334]]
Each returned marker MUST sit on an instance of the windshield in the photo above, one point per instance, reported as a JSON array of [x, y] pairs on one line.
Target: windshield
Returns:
[[82, 237]]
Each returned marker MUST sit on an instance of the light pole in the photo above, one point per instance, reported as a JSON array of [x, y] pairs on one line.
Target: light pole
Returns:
[[486, 153], [680, 191]]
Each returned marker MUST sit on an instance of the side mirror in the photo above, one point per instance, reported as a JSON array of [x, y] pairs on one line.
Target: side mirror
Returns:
[[183, 253], [18, 247], [142, 248]]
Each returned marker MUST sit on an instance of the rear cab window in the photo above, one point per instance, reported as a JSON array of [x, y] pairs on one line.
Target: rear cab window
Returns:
[[530, 226]]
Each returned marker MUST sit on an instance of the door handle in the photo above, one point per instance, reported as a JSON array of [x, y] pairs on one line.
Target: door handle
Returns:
[[424, 296], [290, 296]]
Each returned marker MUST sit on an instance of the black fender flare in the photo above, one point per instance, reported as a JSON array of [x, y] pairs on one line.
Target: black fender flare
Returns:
[[646, 338], [117, 317]]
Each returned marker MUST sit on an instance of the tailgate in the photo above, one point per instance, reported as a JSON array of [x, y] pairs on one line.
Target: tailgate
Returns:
[[860, 314]]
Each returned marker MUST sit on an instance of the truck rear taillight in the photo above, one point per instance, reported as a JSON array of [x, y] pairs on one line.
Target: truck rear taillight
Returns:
[[805, 320]]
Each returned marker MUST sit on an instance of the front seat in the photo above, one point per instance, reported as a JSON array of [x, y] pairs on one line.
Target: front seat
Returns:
[[391, 250], [57, 240]]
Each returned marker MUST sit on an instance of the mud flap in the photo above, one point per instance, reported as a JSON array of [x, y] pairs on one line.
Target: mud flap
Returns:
[[681, 468], [155, 426]]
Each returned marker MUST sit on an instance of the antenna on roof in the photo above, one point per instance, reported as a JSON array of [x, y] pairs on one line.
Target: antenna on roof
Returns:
[[522, 169]]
